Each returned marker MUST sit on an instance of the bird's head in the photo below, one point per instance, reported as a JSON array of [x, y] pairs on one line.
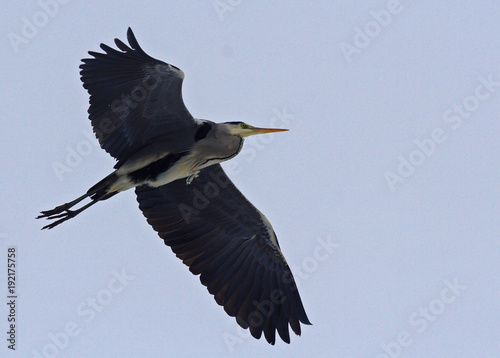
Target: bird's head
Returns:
[[244, 130]]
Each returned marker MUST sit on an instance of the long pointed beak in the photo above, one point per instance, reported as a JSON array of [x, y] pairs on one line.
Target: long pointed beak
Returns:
[[265, 130]]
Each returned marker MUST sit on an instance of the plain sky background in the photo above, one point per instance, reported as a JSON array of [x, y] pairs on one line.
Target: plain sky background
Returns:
[[356, 106]]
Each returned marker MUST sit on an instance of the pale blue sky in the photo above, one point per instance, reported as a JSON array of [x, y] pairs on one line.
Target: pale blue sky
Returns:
[[384, 194]]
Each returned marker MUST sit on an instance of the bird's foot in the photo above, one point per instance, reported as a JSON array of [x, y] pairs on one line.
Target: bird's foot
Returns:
[[51, 214], [192, 177], [57, 210]]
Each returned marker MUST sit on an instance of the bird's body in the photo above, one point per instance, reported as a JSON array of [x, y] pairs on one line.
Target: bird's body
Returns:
[[172, 160], [159, 168]]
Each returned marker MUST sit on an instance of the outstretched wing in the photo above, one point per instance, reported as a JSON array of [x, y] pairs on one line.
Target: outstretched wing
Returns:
[[135, 100], [220, 235]]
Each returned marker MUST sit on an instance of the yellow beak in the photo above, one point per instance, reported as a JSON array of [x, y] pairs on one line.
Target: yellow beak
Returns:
[[253, 130]]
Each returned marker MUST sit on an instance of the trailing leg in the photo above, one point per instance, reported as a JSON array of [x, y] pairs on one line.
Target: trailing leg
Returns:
[[68, 214], [100, 191]]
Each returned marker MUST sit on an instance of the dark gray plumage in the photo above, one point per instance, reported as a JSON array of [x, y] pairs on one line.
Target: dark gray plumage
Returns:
[[220, 235], [135, 101]]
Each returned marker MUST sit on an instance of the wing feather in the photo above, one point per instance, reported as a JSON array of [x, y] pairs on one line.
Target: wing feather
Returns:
[[233, 248], [135, 100]]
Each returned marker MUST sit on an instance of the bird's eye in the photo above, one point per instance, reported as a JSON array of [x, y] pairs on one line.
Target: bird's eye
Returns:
[[243, 125]]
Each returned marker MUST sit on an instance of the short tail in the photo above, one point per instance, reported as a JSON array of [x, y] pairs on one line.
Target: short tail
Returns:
[[100, 191]]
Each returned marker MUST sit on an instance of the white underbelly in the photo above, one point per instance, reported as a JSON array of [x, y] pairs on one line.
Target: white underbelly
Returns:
[[186, 166]]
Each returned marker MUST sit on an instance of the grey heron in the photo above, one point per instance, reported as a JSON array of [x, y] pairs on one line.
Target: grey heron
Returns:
[[172, 160]]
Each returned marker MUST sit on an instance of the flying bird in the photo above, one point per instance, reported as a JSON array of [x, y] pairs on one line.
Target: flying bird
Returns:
[[172, 160]]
